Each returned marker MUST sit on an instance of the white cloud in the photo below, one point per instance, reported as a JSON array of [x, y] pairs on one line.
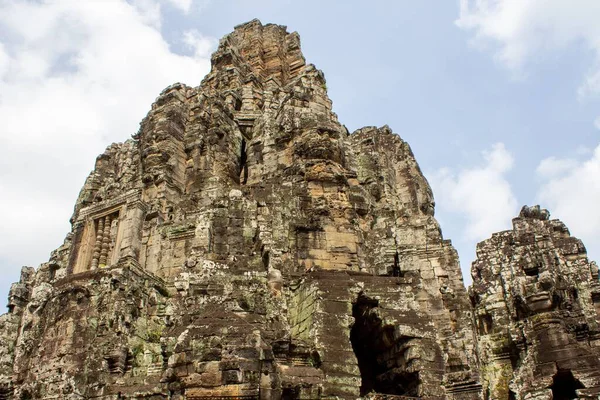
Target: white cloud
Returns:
[[591, 85], [481, 195], [523, 29], [74, 77], [149, 10], [198, 43], [597, 123], [183, 5], [552, 166], [571, 194], [4, 61]]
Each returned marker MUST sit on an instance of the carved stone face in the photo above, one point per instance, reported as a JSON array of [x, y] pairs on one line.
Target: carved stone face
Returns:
[[319, 143], [17, 297], [539, 302]]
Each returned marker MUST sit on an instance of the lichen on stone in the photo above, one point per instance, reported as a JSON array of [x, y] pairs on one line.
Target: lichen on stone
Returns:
[[244, 245]]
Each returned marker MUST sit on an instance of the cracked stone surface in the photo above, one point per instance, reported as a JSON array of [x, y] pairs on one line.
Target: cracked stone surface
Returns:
[[244, 245], [536, 299]]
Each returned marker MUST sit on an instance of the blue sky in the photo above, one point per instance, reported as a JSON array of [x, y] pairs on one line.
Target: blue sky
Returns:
[[499, 99]]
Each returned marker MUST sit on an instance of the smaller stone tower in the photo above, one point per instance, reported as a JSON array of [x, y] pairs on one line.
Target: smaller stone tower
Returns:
[[536, 299]]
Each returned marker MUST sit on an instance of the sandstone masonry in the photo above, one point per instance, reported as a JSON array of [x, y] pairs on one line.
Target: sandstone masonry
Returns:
[[536, 298], [244, 245]]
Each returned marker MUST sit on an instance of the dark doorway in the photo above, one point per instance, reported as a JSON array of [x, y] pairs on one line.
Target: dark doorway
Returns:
[[564, 385], [290, 393], [243, 163], [375, 349]]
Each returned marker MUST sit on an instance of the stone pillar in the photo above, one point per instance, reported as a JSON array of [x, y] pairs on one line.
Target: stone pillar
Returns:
[[131, 240], [98, 244], [105, 242]]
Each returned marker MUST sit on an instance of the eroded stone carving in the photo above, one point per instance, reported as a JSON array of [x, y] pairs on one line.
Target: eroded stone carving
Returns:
[[243, 244], [261, 223], [534, 293]]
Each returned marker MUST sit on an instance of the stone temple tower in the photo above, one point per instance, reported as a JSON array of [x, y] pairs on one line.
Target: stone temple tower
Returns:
[[536, 299], [244, 245]]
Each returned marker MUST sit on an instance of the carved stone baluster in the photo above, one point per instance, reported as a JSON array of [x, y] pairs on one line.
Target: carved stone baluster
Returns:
[[105, 243], [98, 244]]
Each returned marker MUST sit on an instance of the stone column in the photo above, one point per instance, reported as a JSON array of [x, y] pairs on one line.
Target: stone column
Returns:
[[98, 244], [131, 241], [105, 242]]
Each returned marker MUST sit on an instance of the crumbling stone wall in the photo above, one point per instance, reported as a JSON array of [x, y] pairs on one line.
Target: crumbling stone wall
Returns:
[[10, 326], [243, 244], [226, 249], [535, 295]]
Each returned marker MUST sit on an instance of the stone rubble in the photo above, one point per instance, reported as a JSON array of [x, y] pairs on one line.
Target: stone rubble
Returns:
[[244, 245]]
